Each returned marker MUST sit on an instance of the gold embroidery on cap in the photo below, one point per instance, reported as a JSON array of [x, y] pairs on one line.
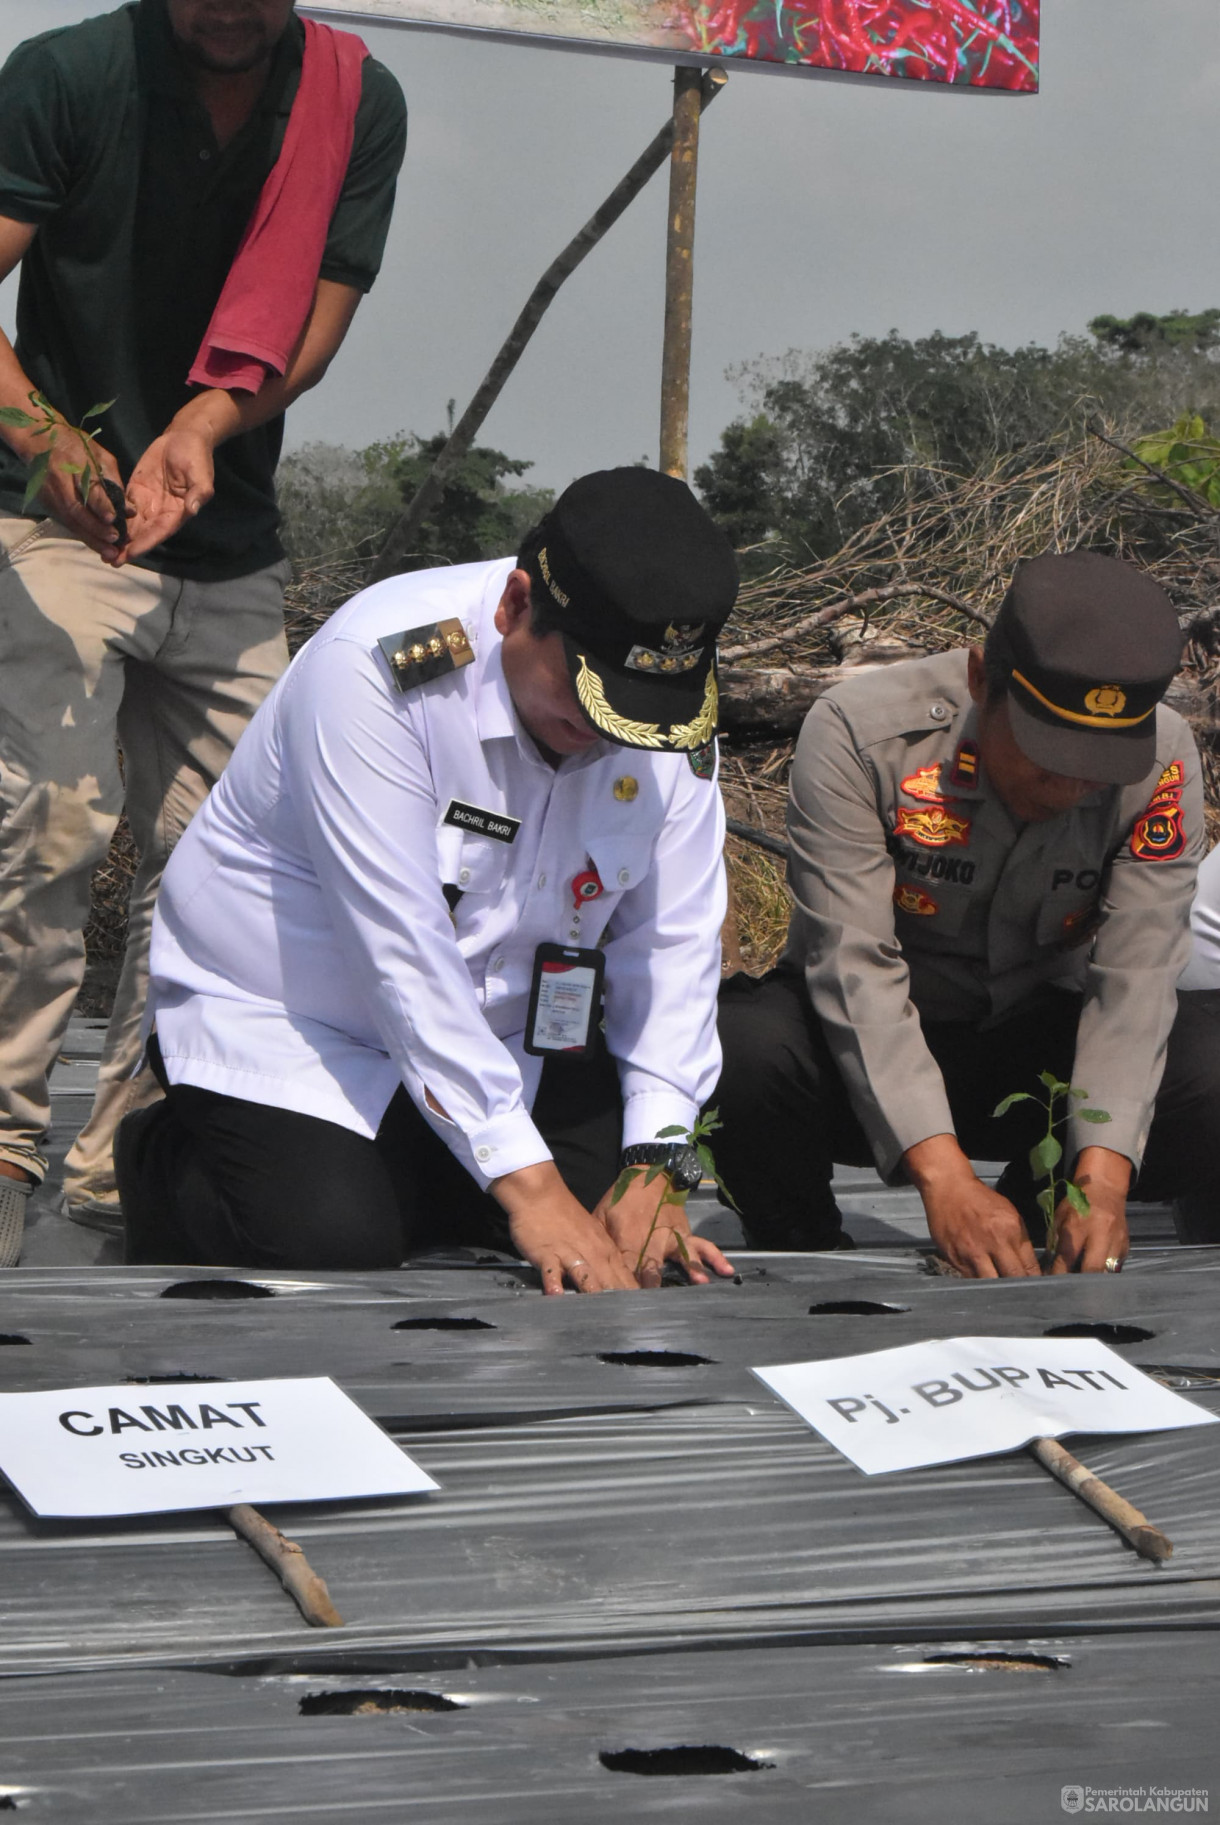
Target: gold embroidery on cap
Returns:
[[1110, 720], [1106, 700], [593, 701], [544, 567], [694, 734]]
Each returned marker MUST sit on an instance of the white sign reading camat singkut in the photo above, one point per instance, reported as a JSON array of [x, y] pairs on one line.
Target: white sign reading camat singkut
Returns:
[[148, 1449], [963, 1397]]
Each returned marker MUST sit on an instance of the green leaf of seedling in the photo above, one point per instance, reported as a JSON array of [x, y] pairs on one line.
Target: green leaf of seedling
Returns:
[[680, 1239], [621, 1183], [674, 1196], [654, 1172], [708, 1122], [705, 1159], [1076, 1198], [13, 415], [1018, 1096], [1046, 1203], [1045, 1156], [1073, 1091], [674, 1130], [40, 399], [74, 468], [96, 411], [35, 479], [1048, 1080], [1093, 1115]]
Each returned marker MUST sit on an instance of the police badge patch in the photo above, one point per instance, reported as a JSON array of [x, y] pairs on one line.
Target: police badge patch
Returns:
[[1158, 836], [935, 826], [914, 900], [923, 783]]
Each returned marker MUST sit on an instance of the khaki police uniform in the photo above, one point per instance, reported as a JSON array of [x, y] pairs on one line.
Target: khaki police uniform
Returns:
[[939, 948]]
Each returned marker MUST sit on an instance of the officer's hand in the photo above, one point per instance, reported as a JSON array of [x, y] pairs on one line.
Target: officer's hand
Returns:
[[978, 1232], [173, 479], [92, 520], [644, 1254], [557, 1234], [1086, 1243]]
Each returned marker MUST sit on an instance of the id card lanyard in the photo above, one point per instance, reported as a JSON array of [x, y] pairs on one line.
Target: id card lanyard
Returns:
[[566, 988]]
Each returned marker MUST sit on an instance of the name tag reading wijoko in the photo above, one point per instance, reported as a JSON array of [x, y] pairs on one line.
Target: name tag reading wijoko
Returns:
[[565, 996]]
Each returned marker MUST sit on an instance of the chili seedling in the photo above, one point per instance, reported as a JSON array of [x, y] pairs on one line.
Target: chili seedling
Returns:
[[695, 1137], [1047, 1152], [50, 423]]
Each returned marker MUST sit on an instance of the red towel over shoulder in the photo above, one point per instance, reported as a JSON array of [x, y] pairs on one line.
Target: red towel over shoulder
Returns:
[[267, 296]]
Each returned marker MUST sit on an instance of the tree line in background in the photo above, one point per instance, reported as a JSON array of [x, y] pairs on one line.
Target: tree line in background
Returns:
[[825, 445]]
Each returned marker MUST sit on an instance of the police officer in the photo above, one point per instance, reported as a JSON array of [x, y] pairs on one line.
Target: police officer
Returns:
[[379, 952], [992, 854]]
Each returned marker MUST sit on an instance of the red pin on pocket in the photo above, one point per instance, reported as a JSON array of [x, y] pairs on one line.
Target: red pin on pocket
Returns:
[[586, 886]]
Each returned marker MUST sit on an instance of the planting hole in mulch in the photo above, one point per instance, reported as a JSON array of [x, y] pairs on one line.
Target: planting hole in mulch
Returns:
[[996, 1659], [170, 1378], [653, 1359], [1106, 1333], [12, 1337], [442, 1323], [688, 1758], [216, 1289], [373, 1701], [853, 1308]]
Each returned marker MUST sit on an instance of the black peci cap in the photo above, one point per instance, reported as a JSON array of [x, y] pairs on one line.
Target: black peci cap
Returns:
[[641, 581], [1093, 646]]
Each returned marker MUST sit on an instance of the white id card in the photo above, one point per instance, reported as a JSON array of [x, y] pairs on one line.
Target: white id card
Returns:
[[565, 1000]]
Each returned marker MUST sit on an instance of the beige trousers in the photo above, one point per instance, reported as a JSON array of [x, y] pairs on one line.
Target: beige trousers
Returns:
[[93, 659]]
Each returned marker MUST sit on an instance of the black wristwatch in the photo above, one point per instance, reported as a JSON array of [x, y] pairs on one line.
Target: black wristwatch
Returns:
[[680, 1161]]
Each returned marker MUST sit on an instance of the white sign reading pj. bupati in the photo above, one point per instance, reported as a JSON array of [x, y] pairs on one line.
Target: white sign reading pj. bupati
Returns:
[[142, 1450], [961, 1397]]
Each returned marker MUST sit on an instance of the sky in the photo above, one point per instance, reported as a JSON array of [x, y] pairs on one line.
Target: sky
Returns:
[[824, 208]]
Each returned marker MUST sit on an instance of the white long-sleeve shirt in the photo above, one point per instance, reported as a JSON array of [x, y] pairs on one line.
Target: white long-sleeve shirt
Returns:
[[303, 954]]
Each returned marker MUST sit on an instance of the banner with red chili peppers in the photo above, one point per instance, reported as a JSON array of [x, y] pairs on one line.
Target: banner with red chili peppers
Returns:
[[982, 44]]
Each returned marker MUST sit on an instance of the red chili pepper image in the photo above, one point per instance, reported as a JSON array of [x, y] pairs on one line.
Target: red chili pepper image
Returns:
[[586, 886], [990, 44]]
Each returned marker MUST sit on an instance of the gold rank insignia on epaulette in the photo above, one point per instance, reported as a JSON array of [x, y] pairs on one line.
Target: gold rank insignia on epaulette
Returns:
[[424, 653]]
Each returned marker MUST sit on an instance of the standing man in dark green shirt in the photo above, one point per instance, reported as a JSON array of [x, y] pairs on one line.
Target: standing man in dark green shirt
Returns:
[[133, 151]]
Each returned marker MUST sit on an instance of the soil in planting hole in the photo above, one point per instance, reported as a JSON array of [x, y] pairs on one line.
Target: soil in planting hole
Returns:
[[653, 1359], [216, 1289], [996, 1659], [443, 1323], [854, 1308], [374, 1701], [12, 1337], [687, 1758], [1106, 1333]]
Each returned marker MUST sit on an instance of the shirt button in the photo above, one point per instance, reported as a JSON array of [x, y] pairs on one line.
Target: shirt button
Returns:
[[205, 155], [497, 963], [624, 875], [542, 880], [482, 1153], [463, 876], [938, 712]]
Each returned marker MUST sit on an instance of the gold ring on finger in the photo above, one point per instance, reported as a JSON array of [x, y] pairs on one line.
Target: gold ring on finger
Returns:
[[1113, 1264]]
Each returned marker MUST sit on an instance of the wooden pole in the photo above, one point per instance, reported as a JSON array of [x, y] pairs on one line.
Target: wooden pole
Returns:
[[1123, 1517], [286, 1559], [397, 547], [679, 274]]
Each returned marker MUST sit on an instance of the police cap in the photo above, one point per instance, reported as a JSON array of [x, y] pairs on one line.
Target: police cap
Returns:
[[640, 581], [1092, 646]]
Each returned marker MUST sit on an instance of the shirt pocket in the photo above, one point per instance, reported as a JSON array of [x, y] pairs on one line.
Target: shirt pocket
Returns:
[[924, 910], [622, 862], [482, 862]]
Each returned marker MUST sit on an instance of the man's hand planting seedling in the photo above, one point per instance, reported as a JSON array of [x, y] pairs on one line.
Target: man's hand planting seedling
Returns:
[[645, 1209], [70, 475], [1064, 1202]]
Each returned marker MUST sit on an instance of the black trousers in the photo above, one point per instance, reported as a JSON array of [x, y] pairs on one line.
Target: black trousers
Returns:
[[217, 1181], [787, 1119]]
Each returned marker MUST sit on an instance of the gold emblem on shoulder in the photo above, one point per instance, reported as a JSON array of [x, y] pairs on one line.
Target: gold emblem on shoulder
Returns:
[[1105, 700], [424, 653]]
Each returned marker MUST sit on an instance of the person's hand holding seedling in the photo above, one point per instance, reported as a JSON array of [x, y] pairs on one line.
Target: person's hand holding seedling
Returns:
[[645, 1214], [70, 474], [1086, 1217]]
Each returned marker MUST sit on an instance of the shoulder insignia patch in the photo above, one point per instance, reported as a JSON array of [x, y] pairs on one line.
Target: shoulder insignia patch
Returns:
[[1174, 775], [965, 769], [910, 899], [935, 826], [923, 783], [702, 761], [1158, 835], [1168, 788], [424, 653]]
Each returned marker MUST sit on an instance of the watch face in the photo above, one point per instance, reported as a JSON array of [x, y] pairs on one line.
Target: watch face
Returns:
[[685, 1169]]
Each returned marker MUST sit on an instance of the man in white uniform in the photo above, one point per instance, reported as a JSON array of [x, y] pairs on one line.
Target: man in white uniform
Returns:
[[379, 948]]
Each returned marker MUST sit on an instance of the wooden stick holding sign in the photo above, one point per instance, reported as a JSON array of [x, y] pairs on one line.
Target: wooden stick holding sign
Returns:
[[1137, 1530], [286, 1559]]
